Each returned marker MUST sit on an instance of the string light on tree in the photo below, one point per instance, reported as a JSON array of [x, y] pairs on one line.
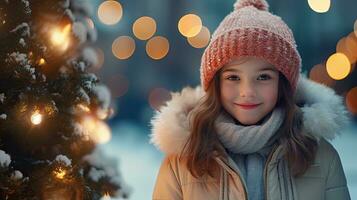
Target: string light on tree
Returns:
[[59, 173], [83, 107], [36, 118], [41, 61], [98, 131], [60, 38], [106, 196]]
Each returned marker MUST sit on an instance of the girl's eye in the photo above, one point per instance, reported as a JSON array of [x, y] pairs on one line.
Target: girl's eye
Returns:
[[232, 78], [264, 77]]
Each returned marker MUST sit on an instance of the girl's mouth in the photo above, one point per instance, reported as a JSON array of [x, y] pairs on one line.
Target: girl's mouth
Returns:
[[247, 106]]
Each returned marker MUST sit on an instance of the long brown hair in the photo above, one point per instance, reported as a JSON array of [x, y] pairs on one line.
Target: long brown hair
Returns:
[[203, 144]]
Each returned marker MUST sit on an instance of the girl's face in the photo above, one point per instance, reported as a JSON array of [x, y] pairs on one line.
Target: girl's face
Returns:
[[249, 89]]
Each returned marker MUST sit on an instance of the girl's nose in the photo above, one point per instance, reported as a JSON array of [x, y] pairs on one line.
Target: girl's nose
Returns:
[[247, 90]]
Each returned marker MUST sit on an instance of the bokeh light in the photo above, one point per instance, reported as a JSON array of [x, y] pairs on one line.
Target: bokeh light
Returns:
[[144, 28], [98, 131], [338, 66], [157, 47], [102, 114], [59, 173], [158, 97], [60, 38], [320, 6], [106, 196], [41, 61], [351, 45], [83, 108], [190, 25], [201, 39], [123, 47], [36, 118], [110, 12], [319, 74], [351, 100], [342, 47]]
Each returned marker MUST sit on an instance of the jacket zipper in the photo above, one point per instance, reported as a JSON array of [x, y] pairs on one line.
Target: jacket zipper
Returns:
[[239, 177], [265, 171]]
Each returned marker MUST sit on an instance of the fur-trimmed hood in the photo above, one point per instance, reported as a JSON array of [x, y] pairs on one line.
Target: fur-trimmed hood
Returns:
[[324, 115]]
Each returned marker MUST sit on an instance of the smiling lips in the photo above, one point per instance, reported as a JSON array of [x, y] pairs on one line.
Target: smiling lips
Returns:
[[247, 106]]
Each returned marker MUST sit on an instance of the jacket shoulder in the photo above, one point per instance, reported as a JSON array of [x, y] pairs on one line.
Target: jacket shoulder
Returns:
[[326, 152], [178, 166]]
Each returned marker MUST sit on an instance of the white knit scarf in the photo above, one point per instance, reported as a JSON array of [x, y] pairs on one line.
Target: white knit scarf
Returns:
[[247, 139]]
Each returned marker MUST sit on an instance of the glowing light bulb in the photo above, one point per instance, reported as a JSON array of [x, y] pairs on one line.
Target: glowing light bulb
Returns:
[[60, 38], [60, 173], [83, 107], [41, 61], [106, 196], [36, 118], [98, 131]]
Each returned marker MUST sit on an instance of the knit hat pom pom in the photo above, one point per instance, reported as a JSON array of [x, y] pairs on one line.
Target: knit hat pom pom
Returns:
[[259, 4]]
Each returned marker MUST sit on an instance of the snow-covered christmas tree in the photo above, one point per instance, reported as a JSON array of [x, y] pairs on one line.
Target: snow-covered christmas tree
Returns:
[[51, 108]]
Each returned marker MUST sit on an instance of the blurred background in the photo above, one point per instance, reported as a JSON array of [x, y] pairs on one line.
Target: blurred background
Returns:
[[148, 48]]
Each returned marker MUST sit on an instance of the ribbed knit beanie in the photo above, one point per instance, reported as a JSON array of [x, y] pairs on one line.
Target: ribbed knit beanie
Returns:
[[251, 30]]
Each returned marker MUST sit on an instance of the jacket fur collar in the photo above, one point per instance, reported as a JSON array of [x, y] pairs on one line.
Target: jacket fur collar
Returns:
[[324, 115]]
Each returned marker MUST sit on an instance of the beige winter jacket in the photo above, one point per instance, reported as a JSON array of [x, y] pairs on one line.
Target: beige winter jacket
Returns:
[[323, 116]]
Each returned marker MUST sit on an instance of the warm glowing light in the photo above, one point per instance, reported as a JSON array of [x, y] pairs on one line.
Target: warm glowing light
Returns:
[[144, 28], [83, 107], [60, 173], [190, 25], [60, 38], [106, 196], [345, 48], [319, 74], [110, 12], [36, 118], [102, 114], [41, 61], [338, 66], [351, 46], [123, 47], [97, 130], [319, 6], [157, 47], [201, 39], [351, 100]]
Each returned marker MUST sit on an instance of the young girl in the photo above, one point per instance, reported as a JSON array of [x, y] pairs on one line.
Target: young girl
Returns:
[[258, 129]]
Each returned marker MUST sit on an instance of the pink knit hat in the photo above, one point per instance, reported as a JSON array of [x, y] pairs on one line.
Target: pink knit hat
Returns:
[[251, 30]]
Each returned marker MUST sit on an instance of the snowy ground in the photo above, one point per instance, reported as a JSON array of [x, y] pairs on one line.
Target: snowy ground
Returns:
[[139, 161]]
